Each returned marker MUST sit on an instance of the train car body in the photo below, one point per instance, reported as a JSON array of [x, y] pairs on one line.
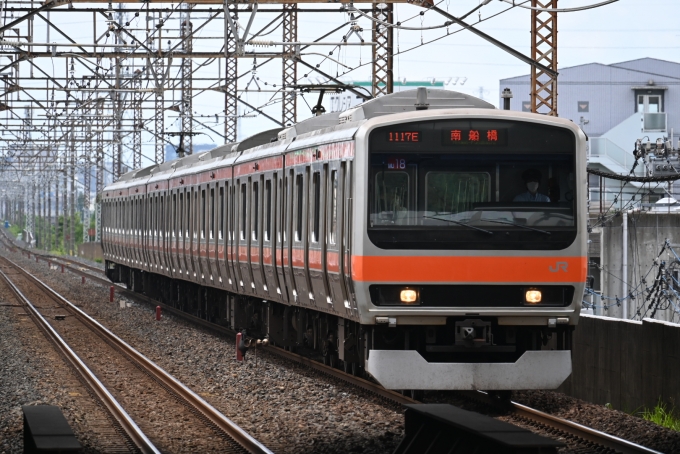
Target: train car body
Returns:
[[399, 239]]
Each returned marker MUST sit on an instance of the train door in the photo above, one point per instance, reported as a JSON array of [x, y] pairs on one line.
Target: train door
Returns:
[[346, 246], [172, 232], [186, 238], [213, 268], [300, 239], [232, 226], [221, 235], [334, 231], [245, 283], [202, 274], [286, 270], [163, 234], [195, 234], [316, 253], [256, 241], [269, 241], [155, 255], [145, 202]]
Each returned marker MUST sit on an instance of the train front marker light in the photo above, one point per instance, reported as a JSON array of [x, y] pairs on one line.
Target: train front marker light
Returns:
[[533, 296], [408, 296]]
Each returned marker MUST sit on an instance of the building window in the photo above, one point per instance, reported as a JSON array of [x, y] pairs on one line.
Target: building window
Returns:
[[649, 101]]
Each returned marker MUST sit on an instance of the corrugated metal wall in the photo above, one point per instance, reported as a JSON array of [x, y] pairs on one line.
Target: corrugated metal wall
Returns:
[[608, 89]]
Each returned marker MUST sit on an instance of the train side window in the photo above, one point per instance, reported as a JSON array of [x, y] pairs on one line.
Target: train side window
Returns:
[[268, 208], [221, 214], [243, 211], [316, 183], [161, 227], [212, 213], [334, 207], [203, 214], [256, 208], [299, 179]]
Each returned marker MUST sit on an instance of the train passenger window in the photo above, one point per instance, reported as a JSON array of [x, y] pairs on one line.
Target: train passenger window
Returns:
[[161, 225], [298, 190], [392, 197], [212, 213], [316, 184], [203, 214], [256, 208], [334, 206], [243, 211], [220, 230], [268, 208], [188, 215]]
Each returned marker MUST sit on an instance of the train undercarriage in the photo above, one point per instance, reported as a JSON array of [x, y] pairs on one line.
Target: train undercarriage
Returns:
[[343, 343]]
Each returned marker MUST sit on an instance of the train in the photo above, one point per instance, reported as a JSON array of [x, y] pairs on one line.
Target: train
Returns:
[[423, 239]]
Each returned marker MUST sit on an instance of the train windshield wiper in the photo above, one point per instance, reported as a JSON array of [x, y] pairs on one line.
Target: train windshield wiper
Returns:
[[498, 221], [459, 223]]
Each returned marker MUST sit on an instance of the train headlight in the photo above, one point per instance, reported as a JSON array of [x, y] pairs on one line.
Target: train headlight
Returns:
[[533, 296], [408, 296]]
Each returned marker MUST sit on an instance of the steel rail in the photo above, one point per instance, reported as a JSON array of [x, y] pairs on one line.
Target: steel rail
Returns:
[[133, 431], [230, 428], [580, 431], [609, 441]]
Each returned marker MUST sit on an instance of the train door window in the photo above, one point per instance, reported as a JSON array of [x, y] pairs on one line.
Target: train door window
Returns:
[[180, 215], [212, 213], [194, 215], [173, 215], [243, 211], [282, 203], [203, 214], [161, 227], [256, 208], [187, 215], [391, 197], [220, 230], [299, 180], [334, 207], [231, 208], [316, 186], [268, 208]]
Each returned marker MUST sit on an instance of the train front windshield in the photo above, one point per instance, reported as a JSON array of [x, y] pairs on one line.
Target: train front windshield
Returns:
[[472, 184]]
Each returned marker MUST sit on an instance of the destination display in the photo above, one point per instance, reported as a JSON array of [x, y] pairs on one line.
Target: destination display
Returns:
[[486, 137]]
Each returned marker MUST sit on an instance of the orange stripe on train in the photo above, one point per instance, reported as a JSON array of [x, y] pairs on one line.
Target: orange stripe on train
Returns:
[[468, 269]]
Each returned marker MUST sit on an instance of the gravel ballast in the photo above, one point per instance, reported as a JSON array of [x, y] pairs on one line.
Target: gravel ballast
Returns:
[[289, 407]]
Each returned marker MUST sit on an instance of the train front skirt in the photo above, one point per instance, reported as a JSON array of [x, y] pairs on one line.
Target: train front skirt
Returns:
[[407, 369]]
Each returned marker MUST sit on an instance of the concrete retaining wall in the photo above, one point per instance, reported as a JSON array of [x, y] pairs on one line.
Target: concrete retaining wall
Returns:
[[629, 364]]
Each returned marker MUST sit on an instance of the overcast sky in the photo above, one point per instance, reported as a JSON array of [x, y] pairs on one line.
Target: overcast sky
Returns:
[[624, 30], [620, 31]]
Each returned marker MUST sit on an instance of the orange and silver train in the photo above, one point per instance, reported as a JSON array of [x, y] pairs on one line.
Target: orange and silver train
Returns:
[[424, 239]]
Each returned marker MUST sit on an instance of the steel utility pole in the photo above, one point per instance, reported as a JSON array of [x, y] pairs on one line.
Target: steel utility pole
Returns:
[[544, 51]]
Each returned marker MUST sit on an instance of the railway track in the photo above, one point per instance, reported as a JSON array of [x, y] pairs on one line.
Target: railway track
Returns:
[[547, 424], [162, 414]]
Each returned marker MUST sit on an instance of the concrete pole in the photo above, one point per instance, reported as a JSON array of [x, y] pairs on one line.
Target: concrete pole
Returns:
[[624, 264]]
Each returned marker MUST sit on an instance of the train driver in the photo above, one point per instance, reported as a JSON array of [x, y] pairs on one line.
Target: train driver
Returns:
[[532, 178]]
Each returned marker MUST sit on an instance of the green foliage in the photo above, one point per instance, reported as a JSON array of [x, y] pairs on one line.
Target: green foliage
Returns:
[[662, 416], [15, 230]]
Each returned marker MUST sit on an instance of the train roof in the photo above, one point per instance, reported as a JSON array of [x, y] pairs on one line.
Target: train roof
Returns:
[[325, 128]]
